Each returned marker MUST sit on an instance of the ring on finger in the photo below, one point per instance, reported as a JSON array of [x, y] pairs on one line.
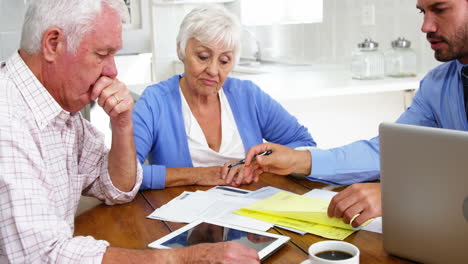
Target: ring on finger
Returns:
[[351, 223], [117, 98]]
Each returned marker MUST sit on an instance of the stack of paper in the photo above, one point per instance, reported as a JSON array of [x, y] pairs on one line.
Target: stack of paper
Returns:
[[191, 206], [298, 212]]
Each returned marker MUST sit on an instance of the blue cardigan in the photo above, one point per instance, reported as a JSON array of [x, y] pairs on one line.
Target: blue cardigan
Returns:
[[159, 129]]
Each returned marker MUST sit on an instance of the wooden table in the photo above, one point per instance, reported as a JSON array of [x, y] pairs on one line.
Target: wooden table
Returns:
[[127, 226]]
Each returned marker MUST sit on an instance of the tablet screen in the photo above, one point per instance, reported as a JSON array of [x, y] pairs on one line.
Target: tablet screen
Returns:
[[211, 233]]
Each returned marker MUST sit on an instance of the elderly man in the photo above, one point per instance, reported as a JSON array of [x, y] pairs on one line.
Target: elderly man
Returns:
[[441, 101], [50, 155]]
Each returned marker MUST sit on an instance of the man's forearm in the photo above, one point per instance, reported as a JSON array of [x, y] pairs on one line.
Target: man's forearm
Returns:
[[122, 159]]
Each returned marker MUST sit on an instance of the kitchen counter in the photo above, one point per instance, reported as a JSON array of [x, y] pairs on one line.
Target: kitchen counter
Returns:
[[310, 82]]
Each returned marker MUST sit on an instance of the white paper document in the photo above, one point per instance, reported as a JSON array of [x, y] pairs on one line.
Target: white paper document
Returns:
[[191, 206], [263, 193], [374, 226], [230, 191], [219, 202]]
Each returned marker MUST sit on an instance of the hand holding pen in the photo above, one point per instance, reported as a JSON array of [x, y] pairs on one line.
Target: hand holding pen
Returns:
[[234, 175], [268, 152], [283, 161]]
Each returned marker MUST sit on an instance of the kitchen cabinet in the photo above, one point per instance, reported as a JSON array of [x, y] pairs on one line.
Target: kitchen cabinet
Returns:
[[336, 109], [338, 120]]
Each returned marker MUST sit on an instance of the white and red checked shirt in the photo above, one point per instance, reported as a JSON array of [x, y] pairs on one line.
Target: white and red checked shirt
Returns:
[[48, 158]]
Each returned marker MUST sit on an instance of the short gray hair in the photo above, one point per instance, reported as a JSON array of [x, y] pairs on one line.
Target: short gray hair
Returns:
[[73, 17], [210, 24]]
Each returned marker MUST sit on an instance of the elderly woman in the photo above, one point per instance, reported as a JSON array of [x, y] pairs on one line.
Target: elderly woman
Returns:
[[192, 124]]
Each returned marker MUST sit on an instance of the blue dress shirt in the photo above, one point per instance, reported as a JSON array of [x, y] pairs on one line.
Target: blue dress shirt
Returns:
[[160, 135], [438, 103]]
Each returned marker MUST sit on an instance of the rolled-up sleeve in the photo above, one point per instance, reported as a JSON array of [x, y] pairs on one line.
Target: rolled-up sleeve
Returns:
[[155, 177], [103, 188], [93, 167]]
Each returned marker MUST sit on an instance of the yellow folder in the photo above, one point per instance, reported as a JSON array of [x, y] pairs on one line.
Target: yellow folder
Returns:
[[299, 212]]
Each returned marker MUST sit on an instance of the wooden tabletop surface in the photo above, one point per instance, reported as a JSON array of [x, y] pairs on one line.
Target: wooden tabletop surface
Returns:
[[127, 226]]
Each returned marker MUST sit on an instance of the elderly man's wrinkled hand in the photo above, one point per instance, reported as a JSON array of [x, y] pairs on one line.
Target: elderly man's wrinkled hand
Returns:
[[225, 252], [114, 97]]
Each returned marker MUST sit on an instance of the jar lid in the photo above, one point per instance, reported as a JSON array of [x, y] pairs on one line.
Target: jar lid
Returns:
[[368, 45], [401, 43]]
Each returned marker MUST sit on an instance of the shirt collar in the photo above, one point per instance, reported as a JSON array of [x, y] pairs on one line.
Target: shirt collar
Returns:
[[43, 106], [460, 66]]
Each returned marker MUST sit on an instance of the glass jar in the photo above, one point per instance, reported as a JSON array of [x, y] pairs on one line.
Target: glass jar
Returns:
[[400, 60], [367, 63]]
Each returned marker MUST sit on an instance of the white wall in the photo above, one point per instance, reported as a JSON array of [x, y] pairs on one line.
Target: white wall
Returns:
[[329, 42], [11, 20], [334, 40], [136, 38], [166, 19]]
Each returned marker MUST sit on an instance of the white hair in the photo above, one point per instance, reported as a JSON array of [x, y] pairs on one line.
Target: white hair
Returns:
[[74, 17], [210, 24]]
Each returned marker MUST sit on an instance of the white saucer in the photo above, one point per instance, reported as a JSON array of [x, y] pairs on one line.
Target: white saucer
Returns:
[[307, 261]]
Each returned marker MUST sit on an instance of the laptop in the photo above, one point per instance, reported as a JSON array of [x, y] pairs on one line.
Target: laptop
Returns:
[[424, 175]]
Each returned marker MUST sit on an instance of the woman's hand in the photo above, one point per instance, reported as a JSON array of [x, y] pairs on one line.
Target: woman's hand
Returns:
[[236, 176]]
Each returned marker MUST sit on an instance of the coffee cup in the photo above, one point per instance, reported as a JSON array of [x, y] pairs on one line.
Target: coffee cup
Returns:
[[332, 252]]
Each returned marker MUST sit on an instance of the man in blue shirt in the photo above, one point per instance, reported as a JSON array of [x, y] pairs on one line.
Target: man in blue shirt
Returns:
[[440, 102]]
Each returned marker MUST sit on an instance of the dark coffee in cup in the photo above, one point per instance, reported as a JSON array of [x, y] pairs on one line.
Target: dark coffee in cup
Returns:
[[333, 251], [334, 255]]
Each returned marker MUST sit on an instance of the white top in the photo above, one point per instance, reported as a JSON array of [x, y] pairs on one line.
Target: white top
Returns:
[[202, 155]]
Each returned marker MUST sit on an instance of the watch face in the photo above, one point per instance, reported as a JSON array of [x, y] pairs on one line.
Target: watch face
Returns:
[[465, 208]]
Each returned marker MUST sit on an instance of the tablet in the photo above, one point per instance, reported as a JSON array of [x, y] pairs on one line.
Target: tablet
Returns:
[[212, 232]]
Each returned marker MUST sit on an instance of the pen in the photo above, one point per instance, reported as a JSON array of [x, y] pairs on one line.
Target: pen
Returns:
[[268, 152]]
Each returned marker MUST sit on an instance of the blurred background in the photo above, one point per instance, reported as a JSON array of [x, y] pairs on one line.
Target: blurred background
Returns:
[[298, 51]]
